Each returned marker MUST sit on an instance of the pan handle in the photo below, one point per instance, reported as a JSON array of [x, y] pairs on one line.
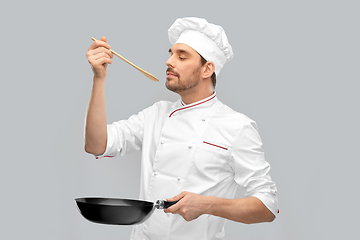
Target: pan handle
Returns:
[[161, 204]]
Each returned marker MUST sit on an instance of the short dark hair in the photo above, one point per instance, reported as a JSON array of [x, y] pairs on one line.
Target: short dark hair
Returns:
[[213, 76]]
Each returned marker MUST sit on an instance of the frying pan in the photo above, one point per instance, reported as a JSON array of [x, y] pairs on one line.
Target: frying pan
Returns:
[[118, 211]]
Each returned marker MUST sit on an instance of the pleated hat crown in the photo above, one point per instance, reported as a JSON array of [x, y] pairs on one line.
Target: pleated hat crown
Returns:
[[208, 39]]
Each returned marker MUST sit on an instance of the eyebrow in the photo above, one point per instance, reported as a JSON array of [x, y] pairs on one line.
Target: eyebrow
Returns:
[[179, 51]]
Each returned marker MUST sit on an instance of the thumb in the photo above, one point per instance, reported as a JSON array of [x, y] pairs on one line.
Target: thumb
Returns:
[[177, 197], [103, 39]]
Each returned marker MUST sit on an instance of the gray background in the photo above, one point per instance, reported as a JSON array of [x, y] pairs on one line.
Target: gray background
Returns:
[[295, 72]]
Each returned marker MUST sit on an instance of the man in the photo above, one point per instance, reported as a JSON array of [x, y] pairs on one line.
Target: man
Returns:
[[195, 150]]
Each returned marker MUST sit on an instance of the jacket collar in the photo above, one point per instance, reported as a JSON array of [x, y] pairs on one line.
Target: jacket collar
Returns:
[[207, 102]]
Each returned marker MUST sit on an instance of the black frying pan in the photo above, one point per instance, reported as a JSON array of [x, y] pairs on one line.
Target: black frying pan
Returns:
[[118, 211]]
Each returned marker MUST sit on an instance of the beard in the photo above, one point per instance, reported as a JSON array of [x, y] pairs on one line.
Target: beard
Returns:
[[179, 84]]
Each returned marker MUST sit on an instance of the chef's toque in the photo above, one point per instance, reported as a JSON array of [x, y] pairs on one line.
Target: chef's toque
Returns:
[[208, 39]]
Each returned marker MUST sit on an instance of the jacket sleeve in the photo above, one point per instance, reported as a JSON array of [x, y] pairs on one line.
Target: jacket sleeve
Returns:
[[251, 169], [125, 136]]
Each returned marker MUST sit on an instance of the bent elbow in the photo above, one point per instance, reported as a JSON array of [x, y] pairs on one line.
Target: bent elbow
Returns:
[[264, 215], [268, 216], [271, 218], [87, 149], [93, 150]]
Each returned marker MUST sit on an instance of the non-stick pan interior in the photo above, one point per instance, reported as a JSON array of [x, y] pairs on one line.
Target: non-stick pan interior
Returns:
[[115, 210]]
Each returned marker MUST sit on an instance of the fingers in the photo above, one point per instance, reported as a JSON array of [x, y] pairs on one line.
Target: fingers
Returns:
[[99, 56], [99, 43], [190, 205], [103, 39], [99, 52], [99, 46], [177, 197], [174, 208], [99, 60], [182, 209]]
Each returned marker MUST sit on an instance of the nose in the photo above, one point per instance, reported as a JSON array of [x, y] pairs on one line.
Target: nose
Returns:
[[169, 62]]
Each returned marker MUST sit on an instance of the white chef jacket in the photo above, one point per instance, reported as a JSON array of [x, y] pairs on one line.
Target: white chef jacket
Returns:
[[204, 147]]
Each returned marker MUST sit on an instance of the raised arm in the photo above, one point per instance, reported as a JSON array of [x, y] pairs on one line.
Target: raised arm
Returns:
[[99, 56]]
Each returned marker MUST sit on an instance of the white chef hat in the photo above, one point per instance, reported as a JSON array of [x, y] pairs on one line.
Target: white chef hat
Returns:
[[208, 39]]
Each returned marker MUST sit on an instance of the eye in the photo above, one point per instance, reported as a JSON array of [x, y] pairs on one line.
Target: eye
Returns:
[[181, 58]]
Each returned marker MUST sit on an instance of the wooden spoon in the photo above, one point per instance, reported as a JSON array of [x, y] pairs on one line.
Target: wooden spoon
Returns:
[[150, 76]]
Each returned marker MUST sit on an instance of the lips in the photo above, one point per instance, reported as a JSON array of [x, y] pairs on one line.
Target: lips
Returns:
[[170, 73]]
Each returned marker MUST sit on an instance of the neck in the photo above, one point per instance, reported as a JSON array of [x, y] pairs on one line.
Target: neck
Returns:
[[191, 97]]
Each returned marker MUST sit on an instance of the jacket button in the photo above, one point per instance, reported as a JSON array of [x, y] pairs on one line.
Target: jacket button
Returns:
[[155, 173], [178, 178], [190, 147]]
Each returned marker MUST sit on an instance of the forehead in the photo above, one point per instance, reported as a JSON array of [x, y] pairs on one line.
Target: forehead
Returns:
[[182, 48]]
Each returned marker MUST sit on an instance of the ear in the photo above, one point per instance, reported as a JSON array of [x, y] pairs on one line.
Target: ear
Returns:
[[209, 68]]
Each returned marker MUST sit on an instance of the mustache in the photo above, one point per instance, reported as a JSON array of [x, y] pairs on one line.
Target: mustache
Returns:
[[172, 71]]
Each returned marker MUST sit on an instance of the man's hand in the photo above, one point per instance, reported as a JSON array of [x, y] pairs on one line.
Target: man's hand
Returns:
[[190, 206], [99, 56]]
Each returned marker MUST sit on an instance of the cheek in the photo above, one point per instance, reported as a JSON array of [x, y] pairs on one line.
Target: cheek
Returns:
[[186, 70]]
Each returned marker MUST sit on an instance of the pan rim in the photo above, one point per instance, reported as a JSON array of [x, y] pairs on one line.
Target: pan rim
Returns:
[[84, 200]]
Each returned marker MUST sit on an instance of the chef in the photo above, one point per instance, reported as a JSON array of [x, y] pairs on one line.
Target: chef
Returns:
[[196, 150]]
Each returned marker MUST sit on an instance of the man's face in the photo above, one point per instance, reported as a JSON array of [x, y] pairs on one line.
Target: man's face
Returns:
[[184, 68]]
